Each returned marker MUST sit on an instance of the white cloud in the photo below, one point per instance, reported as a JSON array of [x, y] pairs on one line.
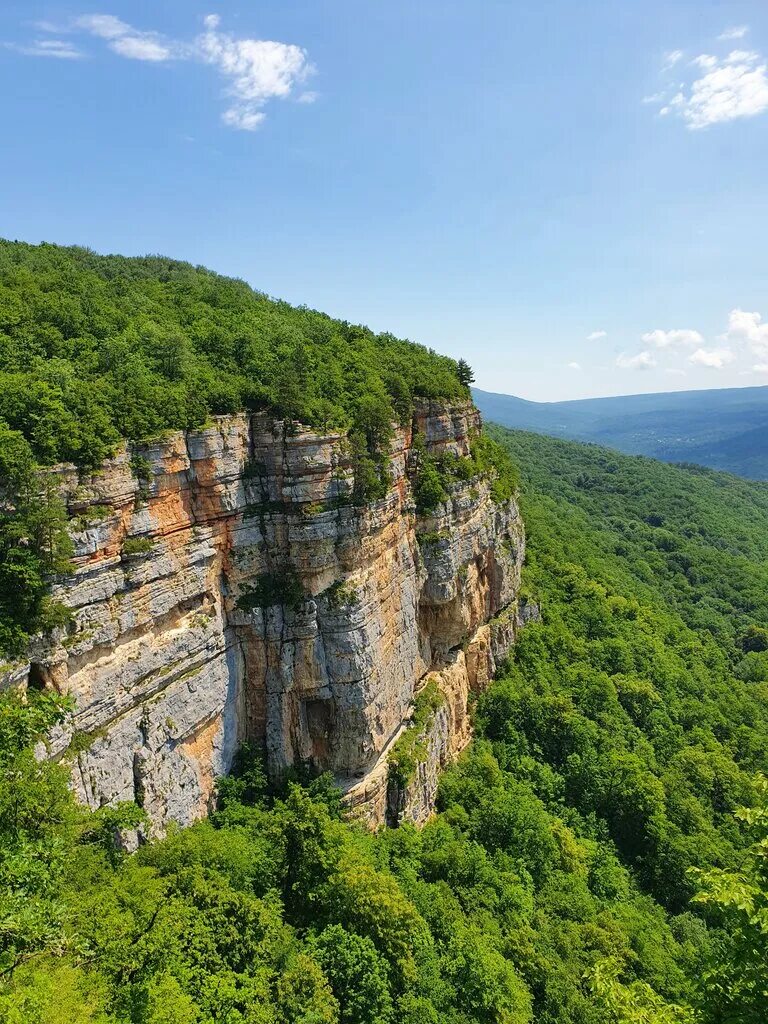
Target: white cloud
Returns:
[[672, 58], [244, 118], [60, 48], [705, 61], [731, 88], [255, 70], [669, 339], [125, 40], [597, 335], [745, 342], [748, 328], [574, 366], [736, 32], [714, 89], [642, 361], [105, 25], [138, 48], [713, 358]]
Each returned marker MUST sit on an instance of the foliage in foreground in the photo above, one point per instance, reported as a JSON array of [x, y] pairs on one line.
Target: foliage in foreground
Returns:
[[275, 910], [554, 885]]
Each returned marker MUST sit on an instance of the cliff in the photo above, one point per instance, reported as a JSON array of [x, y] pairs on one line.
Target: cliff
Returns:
[[226, 589]]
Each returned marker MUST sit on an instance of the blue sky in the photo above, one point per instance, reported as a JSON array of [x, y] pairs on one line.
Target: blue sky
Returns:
[[572, 195]]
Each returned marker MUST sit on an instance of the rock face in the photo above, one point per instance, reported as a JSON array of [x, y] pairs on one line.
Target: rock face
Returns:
[[226, 589]]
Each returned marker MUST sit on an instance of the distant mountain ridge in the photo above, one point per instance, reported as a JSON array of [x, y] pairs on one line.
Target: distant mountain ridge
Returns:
[[724, 428]]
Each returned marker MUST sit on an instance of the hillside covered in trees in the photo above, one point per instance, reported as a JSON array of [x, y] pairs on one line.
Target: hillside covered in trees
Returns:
[[95, 349], [589, 862]]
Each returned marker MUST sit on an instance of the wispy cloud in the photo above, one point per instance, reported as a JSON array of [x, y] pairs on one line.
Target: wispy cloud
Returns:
[[597, 335], [714, 89], [736, 32], [672, 58], [574, 366], [671, 339], [712, 358], [642, 361], [254, 71], [125, 40], [60, 48]]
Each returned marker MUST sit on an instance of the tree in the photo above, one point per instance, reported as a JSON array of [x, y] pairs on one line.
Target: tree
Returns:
[[464, 373], [634, 1002], [357, 974], [736, 984], [754, 638], [36, 811], [34, 544], [428, 489]]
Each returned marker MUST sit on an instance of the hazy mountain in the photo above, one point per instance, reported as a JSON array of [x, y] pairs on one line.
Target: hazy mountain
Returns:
[[723, 428]]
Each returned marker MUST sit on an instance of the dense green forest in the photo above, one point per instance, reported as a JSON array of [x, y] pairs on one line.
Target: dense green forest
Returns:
[[98, 348], [95, 348], [590, 862]]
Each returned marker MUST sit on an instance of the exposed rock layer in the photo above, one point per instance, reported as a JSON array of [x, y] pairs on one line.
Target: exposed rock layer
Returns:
[[227, 590]]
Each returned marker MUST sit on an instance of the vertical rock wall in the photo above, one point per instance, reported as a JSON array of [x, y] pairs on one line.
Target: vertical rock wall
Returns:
[[226, 589]]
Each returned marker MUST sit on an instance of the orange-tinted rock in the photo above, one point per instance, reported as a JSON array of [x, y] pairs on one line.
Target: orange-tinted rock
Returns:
[[171, 662]]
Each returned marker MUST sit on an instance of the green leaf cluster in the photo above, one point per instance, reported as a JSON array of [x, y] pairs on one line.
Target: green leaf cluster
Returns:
[[435, 475], [95, 348], [410, 748], [34, 545], [273, 589]]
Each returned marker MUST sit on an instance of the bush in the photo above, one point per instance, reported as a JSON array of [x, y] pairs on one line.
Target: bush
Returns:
[[135, 547], [271, 589], [410, 748]]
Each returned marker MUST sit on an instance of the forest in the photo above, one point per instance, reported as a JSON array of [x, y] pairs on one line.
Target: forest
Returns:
[[97, 348], [599, 854]]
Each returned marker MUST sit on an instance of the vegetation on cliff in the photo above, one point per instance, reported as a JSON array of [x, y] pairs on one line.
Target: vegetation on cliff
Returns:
[[589, 863], [95, 349], [435, 474], [34, 544]]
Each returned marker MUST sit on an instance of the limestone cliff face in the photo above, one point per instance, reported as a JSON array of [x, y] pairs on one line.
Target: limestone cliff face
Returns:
[[227, 590]]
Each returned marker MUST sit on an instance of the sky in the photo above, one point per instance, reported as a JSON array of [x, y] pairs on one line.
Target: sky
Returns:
[[570, 194]]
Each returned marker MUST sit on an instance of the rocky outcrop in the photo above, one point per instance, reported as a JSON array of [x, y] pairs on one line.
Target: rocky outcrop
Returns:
[[448, 729], [227, 589]]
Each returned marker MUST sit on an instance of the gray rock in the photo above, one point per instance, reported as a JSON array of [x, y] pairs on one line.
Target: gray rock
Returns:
[[170, 668]]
